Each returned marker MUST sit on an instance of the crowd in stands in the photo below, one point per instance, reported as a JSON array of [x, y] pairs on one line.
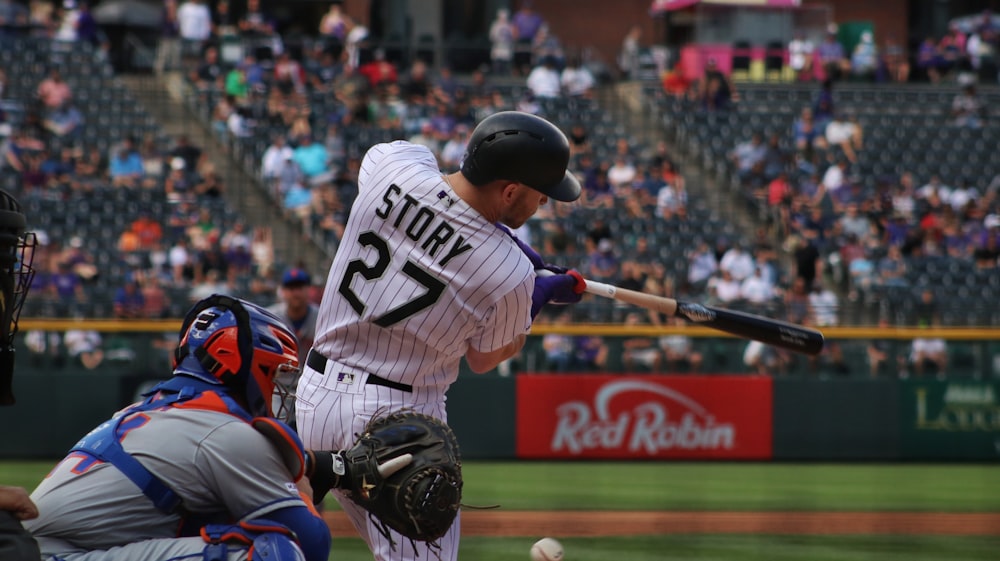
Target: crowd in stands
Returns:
[[308, 110]]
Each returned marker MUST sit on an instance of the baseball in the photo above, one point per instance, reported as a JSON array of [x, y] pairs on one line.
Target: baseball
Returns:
[[547, 549]]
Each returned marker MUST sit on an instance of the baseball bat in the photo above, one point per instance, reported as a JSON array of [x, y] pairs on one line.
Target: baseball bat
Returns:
[[749, 326]]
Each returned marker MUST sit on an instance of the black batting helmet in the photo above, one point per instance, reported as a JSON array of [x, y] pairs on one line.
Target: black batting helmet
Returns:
[[524, 148]]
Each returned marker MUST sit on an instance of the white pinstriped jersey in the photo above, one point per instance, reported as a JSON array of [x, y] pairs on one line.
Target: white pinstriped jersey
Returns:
[[419, 276]]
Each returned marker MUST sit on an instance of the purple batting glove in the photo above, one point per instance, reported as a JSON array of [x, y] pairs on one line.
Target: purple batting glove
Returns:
[[557, 288]]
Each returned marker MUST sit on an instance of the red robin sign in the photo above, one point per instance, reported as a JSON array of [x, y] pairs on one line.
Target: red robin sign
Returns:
[[615, 417]]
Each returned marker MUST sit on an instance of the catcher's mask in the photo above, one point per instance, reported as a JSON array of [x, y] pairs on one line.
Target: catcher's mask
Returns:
[[239, 345], [17, 250]]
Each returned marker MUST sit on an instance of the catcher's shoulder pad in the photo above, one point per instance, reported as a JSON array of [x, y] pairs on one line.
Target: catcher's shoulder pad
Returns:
[[284, 438]]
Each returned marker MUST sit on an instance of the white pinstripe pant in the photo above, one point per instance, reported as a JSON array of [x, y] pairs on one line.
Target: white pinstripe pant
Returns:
[[328, 415]]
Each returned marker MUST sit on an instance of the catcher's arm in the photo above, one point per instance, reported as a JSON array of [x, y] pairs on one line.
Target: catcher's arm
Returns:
[[327, 469]]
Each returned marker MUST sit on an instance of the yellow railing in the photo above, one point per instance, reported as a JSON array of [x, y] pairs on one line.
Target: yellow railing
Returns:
[[603, 329]]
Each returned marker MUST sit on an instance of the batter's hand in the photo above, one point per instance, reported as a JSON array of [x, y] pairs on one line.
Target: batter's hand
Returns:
[[16, 501], [559, 289]]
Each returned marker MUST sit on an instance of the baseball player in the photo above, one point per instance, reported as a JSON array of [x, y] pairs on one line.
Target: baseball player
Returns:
[[17, 249], [428, 273], [199, 469], [299, 314]]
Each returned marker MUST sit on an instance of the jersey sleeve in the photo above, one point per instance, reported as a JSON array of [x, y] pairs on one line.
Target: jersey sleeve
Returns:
[[246, 471], [508, 318]]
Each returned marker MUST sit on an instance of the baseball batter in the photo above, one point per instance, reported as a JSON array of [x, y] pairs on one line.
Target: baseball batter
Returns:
[[425, 275], [199, 470]]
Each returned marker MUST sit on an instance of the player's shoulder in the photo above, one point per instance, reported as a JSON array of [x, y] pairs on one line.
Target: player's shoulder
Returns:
[[400, 152]]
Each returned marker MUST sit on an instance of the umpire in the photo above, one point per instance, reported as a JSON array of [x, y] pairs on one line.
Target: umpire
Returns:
[[16, 250]]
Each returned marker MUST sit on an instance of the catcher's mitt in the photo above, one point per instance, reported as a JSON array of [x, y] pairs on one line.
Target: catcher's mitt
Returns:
[[421, 499]]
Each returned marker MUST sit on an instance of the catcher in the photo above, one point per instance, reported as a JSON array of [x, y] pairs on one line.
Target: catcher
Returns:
[[201, 469]]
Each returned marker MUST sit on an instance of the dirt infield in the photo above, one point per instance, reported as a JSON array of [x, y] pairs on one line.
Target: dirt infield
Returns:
[[619, 523]]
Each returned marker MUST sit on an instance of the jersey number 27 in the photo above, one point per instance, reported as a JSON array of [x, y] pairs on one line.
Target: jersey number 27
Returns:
[[435, 287]]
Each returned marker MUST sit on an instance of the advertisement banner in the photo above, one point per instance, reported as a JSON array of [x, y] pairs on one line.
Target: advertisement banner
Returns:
[[950, 419], [643, 417]]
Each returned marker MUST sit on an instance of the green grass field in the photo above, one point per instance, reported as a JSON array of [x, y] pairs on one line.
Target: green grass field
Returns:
[[711, 486]]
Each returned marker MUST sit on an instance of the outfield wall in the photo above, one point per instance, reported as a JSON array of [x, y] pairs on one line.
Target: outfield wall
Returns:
[[611, 416]]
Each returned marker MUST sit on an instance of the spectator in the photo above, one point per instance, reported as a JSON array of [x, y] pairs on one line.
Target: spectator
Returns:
[[967, 108], [427, 137], [679, 354], [177, 185], [379, 71], [824, 106], [926, 309], [211, 184], [621, 174], [558, 347], [64, 121], [864, 59], [126, 168], [878, 349], [255, 23], [808, 262], [603, 264], [289, 76], [590, 352], [526, 22], [190, 153], [576, 79], [53, 91], [891, 269], [154, 164], [758, 290], [544, 79], [84, 347], [502, 38], [275, 156], [194, 22], [831, 57], [797, 301], [640, 353], [845, 133], [168, 50], [628, 57], [764, 360], [725, 288], [800, 56], [155, 298], [930, 61], [702, 265], [129, 302], [79, 260], [333, 27], [181, 262], [896, 61], [748, 154], [312, 159], [928, 355], [454, 149], [861, 275], [148, 230], [738, 262], [806, 134]]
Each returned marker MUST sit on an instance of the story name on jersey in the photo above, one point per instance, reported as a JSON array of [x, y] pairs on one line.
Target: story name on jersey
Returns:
[[418, 219]]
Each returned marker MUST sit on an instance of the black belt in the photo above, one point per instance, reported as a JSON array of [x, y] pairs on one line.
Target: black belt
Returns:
[[317, 362]]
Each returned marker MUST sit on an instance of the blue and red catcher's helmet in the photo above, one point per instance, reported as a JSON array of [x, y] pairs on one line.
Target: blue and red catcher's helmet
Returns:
[[239, 345]]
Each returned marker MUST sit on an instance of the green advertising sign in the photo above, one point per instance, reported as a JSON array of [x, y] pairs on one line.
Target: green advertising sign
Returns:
[[950, 419]]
